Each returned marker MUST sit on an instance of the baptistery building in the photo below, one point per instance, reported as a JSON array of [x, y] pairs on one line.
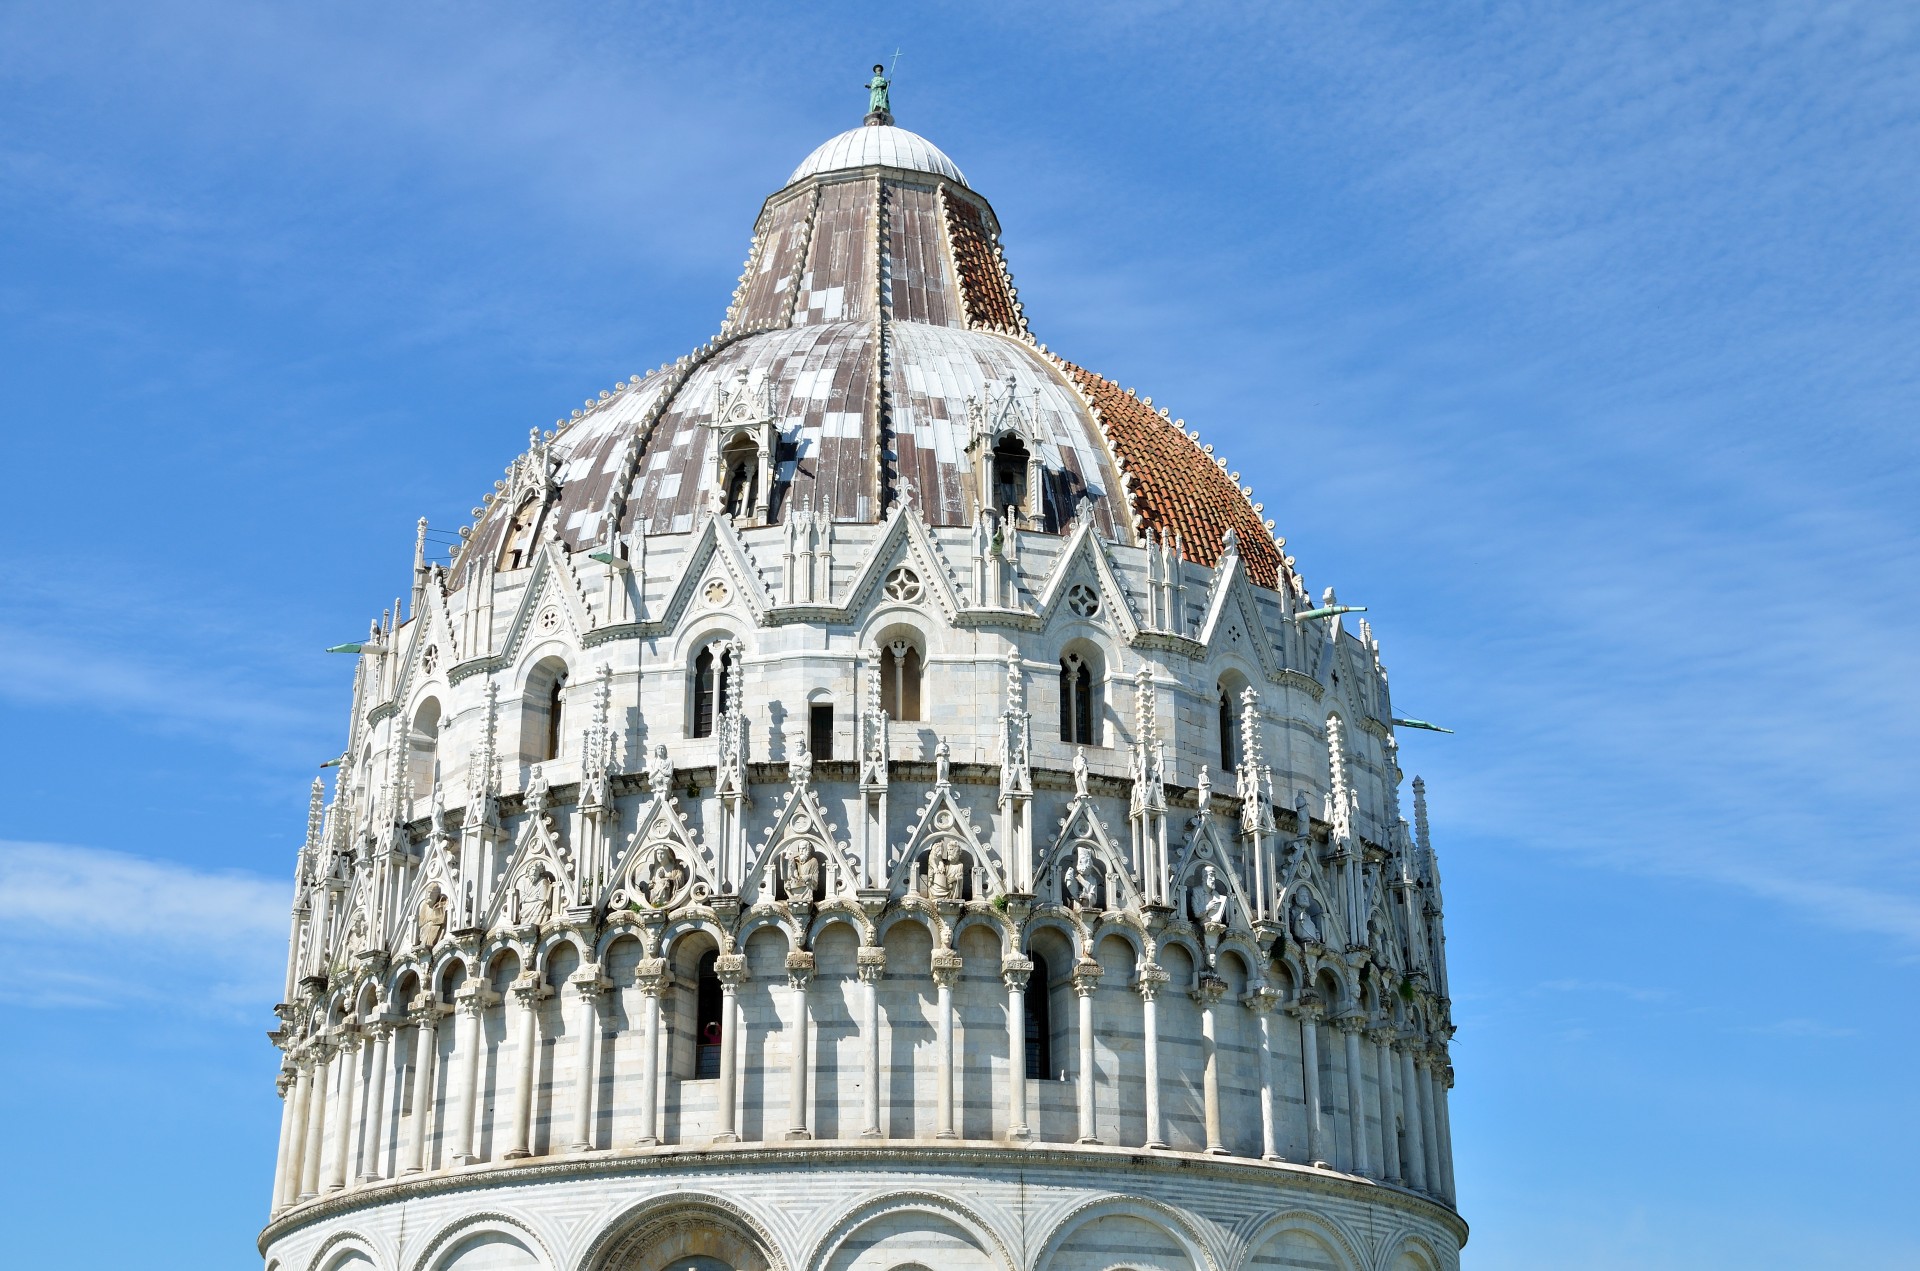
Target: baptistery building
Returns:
[[870, 793]]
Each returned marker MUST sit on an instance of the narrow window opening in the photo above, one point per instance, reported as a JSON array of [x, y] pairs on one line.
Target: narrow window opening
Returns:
[[709, 688], [1010, 475], [1229, 742], [556, 697], [707, 1031], [900, 672], [1079, 709], [820, 730], [1039, 1034], [516, 548]]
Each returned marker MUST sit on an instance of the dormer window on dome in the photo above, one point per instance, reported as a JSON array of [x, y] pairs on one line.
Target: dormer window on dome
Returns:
[[1005, 451], [745, 438]]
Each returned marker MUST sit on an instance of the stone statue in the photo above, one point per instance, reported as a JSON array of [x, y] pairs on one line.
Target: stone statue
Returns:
[[946, 872], [800, 873], [431, 920], [942, 764], [877, 102], [800, 763], [665, 874], [1203, 792], [1079, 773], [533, 897], [1207, 897], [659, 770], [1083, 878], [1305, 929]]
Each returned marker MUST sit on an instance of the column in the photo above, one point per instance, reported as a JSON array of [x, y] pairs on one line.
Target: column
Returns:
[[1152, 976], [527, 990], [1443, 1136], [426, 1032], [1382, 1039], [588, 984], [1208, 994], [1086, 978], [1410, 1110], [873, 968], [1423, 1065], [653, 981], [1261, 1002], [1014, 973], [470, 1004], [316, 1131], [1351, 1027], [799, 977], [340, 1167], [373, 1130], [732, 970], [1308, 1014], [946, 971], [293, 1093]]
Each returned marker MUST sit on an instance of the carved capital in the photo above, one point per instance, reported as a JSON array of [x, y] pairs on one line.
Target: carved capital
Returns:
[[873, 965], [1149, 980], [1352, 1022], [652, 976], [1086, 976], [1209, 988], [731, 968], [528, 989], [1015, 972], [1262, 1000], [473, 998], [589, 982], [946, 968], [800, 967]]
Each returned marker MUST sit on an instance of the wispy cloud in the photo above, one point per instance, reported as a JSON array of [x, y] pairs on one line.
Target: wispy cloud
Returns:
[[91, 927]]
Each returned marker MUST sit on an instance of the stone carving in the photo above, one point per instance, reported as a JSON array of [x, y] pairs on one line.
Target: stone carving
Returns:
[[430, 922], [1079, 773], [665, 876], [1084, 878], [1207, 897], [799, 873], [533, 901], [660, 770], [1304, 926], [946, 871]]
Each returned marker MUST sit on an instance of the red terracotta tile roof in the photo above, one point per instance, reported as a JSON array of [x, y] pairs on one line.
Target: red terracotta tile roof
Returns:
[[1174, 485], [984, 288]]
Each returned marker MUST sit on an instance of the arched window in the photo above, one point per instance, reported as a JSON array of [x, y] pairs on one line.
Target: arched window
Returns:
[[900, 666], [1229, 730], [556, 704], [1010, 458], [516, 547], [742, 464], [423, 748], [710, 673], [1079, 702], [708, 1032], [1039, 1034]]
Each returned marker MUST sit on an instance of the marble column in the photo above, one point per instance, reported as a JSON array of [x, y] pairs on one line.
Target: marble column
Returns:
[[1261, 1003], [373, 1130], [800, 968], [293, 1098], [732, 970], [1410, 1110], [1086, 979], [527, 991], [316, 1131], [1014, 973], [1308, 1013], [946, 973], [1351, 1026], [1208, 993], [652, 981], [340, 1166], [1423, 1068], [873, 969], [1151, 977], [1381, 1035], [470, 1006], [1443, 1133], [587, 984], [426, 1036]]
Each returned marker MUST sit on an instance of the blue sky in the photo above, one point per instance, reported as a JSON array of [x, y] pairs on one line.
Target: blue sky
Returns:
[[1579, 341]]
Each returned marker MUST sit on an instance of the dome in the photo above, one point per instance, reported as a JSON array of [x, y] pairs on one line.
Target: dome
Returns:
[[879, 360], [877, 145], [869, 793]]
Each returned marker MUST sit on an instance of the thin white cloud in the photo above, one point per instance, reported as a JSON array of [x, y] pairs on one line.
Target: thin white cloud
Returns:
[[90, 927]]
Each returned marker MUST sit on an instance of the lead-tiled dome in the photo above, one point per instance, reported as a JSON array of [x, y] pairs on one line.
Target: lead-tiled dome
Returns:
[[877, 330]]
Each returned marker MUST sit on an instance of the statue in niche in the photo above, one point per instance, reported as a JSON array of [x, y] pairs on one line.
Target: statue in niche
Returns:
[[533, 897], [946, 871], [660, 770], [1083, 878], [799, 873], [665, 875], [1207, 897], [431, 921], [1305, 929]]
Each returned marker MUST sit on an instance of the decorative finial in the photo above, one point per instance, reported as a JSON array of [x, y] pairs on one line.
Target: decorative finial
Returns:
[[879, 110]]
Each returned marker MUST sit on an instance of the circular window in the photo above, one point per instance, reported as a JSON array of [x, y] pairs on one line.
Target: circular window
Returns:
[[1082, 600], [430, 659], [716, 592], [549, 618], [903, 584]]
